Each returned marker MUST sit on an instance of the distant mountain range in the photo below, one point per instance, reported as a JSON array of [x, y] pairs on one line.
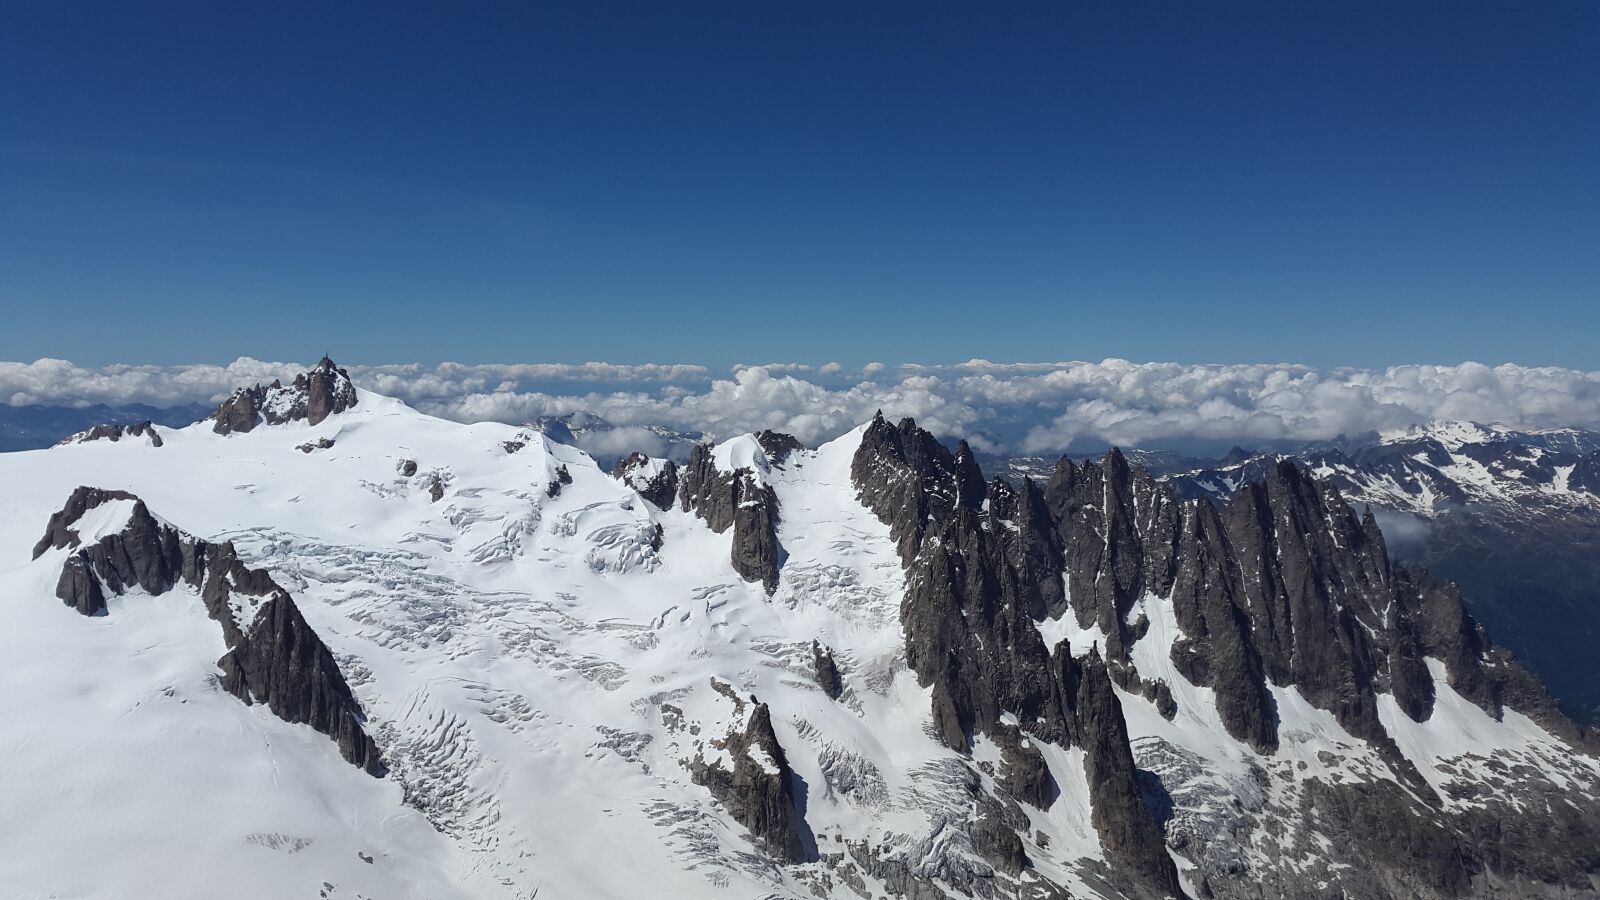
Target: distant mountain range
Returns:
[[326, 645]]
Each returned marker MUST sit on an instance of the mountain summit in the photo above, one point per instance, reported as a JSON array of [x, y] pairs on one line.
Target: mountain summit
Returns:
[[314, 395]]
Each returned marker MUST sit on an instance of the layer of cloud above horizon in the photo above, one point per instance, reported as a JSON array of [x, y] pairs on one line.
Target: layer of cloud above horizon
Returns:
[[999, 407]]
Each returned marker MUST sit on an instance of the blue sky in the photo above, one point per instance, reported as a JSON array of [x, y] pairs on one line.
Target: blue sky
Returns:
[[1339, 184]]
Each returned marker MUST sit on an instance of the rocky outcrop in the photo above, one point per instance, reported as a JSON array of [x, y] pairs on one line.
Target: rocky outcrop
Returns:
[[740, 500], [115, 432], [327, 390], [777, 445], [1117, 530], [280, 661], [562, 479], [756, 554], [1023, 772], [1126, 827], [274, 656], [313, 396], [1316, 584], [655, 481], [1216, 648], [905, 477], [706, 491], [755, 782], [827, 670]]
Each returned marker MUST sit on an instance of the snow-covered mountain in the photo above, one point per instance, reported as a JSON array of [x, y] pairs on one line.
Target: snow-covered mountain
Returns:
[[1512, 516], [323, 645]]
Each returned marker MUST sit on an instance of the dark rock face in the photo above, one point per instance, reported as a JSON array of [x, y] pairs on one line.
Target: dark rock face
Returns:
[[972, 585], [274, 656], [905, 477], [661, 489], [1316, 583], [327, 390], [758, 791], [706, 491], [281, 662], [59, 532], [1126, 827], [739, 500], [562, 479], [994, 835], [757, 555], [318, 444], [115, 432], [1216, 647], [828, 677], [1283, 584], [1510, 516], [313, 396], [407, 468], [241, 412], [778, 445], [1024, 773], [1117, 533]]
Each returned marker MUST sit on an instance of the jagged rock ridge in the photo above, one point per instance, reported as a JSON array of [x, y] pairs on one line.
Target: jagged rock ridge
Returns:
[[1283, 586], [312, 397], [757, 785], [274, 656], [972, 592], [116, 431]]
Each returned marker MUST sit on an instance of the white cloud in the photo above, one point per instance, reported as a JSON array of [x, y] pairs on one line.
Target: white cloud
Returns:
[[1031, 407]]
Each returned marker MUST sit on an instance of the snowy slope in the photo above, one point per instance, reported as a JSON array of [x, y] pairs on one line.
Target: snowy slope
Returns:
[[512, 650], [543, 655]]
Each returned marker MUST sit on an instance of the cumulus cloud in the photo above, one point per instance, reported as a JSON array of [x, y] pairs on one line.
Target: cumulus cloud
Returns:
[[1022, 407]]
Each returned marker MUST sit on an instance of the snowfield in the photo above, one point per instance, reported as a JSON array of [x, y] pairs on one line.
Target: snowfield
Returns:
[[541, 666]]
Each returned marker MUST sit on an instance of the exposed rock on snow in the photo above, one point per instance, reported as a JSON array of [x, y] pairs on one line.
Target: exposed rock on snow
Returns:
[[827, 670], [757, 785], [274, 657], [656, 480], [737, 497], [116, 432], [314, 395]]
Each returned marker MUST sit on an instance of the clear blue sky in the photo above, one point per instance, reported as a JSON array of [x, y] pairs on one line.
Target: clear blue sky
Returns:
[[1332, 183]]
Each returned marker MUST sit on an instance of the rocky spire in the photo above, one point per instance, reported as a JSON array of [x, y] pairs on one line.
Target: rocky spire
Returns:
[[737, 499], [313, 396], [1284, 584], [971, 591], [756, 784], [658, 484]]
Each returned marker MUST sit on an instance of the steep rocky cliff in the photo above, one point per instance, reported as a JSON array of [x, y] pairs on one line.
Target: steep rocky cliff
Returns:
[[736, 497], [274, 657], [1282, 587]]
